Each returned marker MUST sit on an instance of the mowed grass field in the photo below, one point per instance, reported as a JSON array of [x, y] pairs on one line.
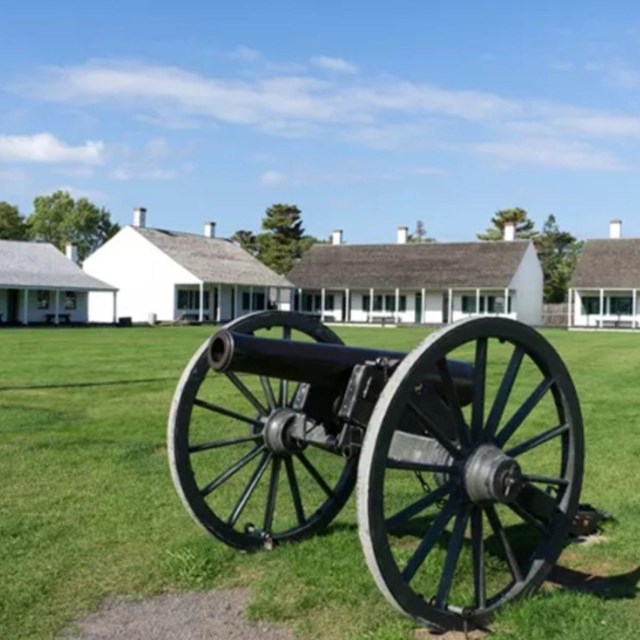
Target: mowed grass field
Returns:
[[88, 510]]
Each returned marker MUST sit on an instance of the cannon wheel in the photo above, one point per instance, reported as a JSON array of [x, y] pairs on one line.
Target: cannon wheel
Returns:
[[232, 455], [443, 553]]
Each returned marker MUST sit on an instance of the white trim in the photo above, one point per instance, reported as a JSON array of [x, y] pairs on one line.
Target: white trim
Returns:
[[323, 295], [57, 307], [201, 309], [423, 313]]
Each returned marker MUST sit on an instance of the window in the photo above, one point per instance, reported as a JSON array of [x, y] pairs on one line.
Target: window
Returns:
[[377, 303], [189, 299], [70, 300], [328, 302], [307, 302], [621, 306], [246, 300], [402, 303], [43, 299], [390, 303], [590, 305], [258, 301], [366, 303], [469, 304]]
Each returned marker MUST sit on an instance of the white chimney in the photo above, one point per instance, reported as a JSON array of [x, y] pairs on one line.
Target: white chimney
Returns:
[[509, 232], [209, 229], [336, 237], [615, 229], [71, 251], [140, 217], [403, 235]]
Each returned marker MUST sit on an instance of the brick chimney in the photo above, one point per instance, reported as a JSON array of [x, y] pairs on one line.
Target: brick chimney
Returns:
[[140, 217], [615, 229], [209, 229], [336, 237], [509, 232]]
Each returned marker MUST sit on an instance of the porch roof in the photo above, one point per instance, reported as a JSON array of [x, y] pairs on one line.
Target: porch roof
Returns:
[[39, 265]]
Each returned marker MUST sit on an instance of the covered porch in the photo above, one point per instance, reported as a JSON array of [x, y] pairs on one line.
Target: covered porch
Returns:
[[603, 308]]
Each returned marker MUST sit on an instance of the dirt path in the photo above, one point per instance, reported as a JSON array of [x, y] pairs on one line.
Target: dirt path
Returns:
[[217, 615]]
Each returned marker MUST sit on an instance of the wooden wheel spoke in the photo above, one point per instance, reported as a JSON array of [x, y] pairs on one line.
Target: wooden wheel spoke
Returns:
[[419, 505], [479, 385], [453, 554], [246, 392], [453, 401], [524, 411], [430, 539], [477, 558], [249, 489], [295, 490], [536, 441], [268, 392], [270, 508], [313, 472], [504, 391], [226, 412], [216, 444], [499, 532], [232, 470]]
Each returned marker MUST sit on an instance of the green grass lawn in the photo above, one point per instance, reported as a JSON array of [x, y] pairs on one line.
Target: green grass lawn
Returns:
[[88, 510]]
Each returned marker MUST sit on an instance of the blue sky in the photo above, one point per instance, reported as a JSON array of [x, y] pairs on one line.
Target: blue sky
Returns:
[[366, 115]]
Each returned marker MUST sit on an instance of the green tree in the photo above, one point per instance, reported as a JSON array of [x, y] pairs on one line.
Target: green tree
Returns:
[[58, 218], [12, 225], [281, 241], [524, 226], [246, 240], [420, 234], [558, 252]]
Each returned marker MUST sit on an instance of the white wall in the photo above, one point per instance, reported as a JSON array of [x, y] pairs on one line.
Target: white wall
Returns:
[[36, 315], [361, 314], [527, 288], [433, 307], [459, 314], [145, 276]]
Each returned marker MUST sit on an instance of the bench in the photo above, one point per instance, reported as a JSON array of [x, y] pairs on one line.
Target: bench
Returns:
[[62, 317], [615, 324]]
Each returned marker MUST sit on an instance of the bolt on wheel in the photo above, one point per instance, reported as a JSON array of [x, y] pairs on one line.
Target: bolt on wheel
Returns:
[[452, 538]]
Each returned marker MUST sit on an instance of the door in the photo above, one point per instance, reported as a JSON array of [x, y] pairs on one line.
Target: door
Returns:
[[12, 305], [418, 307], [344, 308]]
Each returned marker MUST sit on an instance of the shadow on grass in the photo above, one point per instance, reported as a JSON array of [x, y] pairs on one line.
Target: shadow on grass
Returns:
[[618, 587], [80, 385]]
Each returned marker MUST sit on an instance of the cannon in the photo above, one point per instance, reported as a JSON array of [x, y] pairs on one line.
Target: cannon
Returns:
[[466, 454]]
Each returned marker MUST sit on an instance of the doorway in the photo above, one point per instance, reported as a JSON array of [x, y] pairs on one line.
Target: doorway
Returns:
[[12, 306], [445, 308], [418, 307]]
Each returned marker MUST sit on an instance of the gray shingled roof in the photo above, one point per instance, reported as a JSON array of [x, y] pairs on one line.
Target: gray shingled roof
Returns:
[[611, 263], [39, 265], [406, 266], [213, 259]]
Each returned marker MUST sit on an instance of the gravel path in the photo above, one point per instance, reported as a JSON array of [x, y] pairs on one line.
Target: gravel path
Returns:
[[217, 615]]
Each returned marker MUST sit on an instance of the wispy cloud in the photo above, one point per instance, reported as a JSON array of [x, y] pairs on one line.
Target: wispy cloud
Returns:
[[551, 153], [339, 65], [272, 178], [46, 148], [616, 72]]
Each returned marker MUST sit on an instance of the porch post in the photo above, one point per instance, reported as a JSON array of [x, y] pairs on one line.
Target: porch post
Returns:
[[300, 305], [423, 313], [478, 301], [323, 295], [569, 304], [219, 309], [601, 306], [201, 309], [397, 305], [115, 307], [266, 298], [57, 307], [370, 304], [236, 300], [506, 301], [634, 308], [347, 304], [25, 311], [450, 319]]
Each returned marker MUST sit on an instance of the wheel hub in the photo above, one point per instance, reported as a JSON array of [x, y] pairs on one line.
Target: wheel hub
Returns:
[[276, 431], [492, 476]]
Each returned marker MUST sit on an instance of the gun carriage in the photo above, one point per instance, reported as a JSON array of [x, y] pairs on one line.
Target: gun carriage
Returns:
[[467, 469]]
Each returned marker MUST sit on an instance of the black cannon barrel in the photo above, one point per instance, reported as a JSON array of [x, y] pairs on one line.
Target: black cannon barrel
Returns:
[[313, 362]]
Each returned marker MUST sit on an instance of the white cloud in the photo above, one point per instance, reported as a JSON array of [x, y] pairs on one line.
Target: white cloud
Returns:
[[46, 148], [333, 64], [551, 153], [616, 72], [272, 178], [244, 54]]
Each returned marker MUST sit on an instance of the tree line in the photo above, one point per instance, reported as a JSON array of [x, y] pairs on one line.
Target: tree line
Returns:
[[58, 218]]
